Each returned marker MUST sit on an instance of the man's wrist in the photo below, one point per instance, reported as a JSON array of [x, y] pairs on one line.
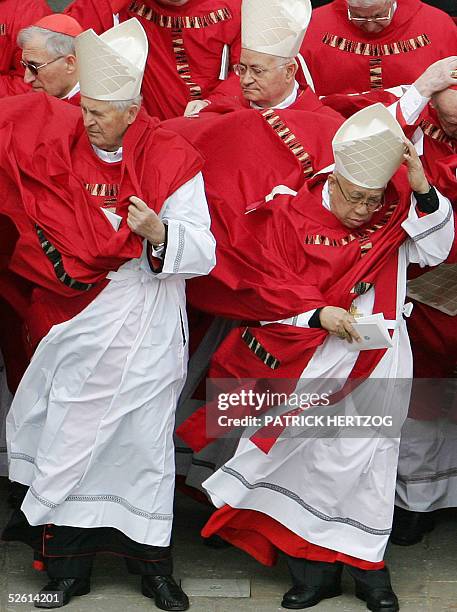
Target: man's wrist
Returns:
[[158, 240]]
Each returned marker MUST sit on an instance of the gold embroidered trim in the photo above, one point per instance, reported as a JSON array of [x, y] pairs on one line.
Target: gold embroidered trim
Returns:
[[363, 237], [361, 48], [180, 22], [376, 73], [2, 29], [259, 351], [436, 133], [182, 65], [102, 189], [289, 139], [55, 258]]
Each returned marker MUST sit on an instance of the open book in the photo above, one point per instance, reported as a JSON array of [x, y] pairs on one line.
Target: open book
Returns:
[[374, 333]]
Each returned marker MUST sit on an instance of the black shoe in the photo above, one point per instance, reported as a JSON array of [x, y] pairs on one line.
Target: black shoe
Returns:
[[373, 587], [410, 527], [66, 588], [299, 597], [166, 593], [313, 582]]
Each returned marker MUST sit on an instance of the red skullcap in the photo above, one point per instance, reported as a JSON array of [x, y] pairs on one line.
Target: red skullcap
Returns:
[[61, 24]]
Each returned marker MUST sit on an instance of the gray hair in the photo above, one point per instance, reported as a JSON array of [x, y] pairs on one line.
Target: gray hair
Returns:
[[55, 43], [362, 3], [123, 105]]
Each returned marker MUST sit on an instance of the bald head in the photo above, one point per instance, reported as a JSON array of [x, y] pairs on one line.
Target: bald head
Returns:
[[445, 104]]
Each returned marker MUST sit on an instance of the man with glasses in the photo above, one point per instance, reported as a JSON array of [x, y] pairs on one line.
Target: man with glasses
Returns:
[[271, 72], [49, 57], [12, 18], [354, 46], [326, 501]]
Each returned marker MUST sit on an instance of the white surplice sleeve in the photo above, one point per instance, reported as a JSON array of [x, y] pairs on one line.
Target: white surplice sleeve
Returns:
[[432, 235], [191, 247]]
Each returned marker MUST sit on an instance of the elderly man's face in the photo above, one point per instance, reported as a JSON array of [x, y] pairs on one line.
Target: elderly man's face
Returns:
[[105, 125], [353, 205], [445, 103], [380, 13], [57, 78], [266, 80]]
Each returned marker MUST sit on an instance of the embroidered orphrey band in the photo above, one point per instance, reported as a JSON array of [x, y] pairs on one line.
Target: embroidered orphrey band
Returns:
[[363, 237], [2, 29], [436, 133], [182, 65], [105, 190], [289, 139], [378, 50], [259, 351], [102, 189], [180, 22], [56, 260], [376, 73]]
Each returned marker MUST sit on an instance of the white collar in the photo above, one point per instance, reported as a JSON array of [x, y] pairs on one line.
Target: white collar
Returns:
[[72, 93], [285, 103], [110, 157], [326, 196]]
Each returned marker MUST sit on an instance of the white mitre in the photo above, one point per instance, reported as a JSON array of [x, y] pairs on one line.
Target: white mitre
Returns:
[[111, 66], [276, 27], [368, 147]]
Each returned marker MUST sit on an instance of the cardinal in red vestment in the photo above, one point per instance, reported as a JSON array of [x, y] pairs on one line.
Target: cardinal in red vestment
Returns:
[[354, 46]]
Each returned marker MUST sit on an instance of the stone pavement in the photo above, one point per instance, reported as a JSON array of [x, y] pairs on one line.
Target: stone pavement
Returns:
[[424, 576]]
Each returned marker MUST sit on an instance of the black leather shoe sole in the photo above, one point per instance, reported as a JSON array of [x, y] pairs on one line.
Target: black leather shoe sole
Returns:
[[311, 602], [164, 604], [377, 608], [82, 589]]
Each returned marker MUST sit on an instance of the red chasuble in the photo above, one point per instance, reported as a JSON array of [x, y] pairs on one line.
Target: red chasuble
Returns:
[[342, 58], [186, 45], [13, 17], [52, 187]]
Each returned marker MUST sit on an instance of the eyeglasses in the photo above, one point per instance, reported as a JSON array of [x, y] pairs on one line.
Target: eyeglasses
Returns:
[[372, 203], [256, 72], [34, 69], [369, 19]]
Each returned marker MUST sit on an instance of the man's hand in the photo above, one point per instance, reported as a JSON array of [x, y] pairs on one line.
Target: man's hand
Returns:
[[416, 175], [438, 76], [145, 222], [338, 322], [194, 107]]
